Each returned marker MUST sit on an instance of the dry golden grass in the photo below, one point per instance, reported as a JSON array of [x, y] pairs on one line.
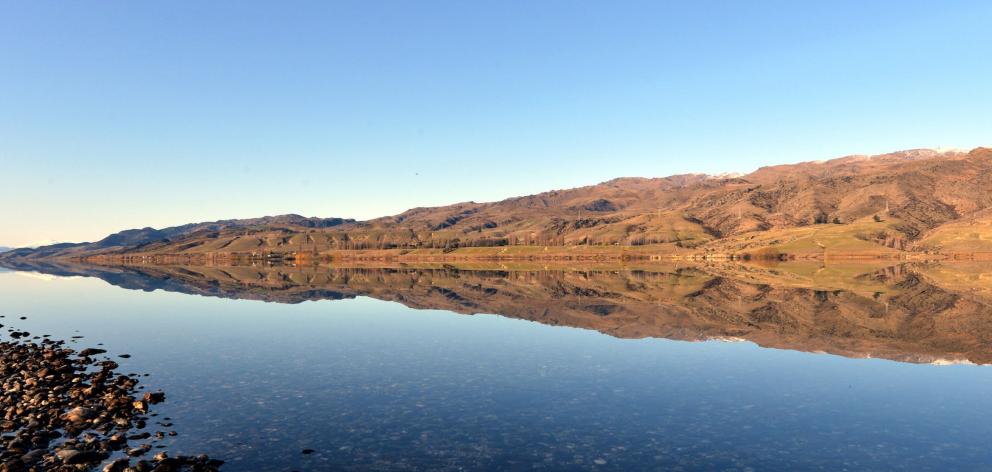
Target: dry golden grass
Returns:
[[970, 235]]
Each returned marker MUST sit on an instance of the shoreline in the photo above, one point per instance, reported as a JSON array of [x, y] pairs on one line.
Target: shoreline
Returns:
[[93, 418], [578, 254]]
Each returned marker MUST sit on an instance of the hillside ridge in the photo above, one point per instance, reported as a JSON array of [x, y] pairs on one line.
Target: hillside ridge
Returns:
[[918, 200]]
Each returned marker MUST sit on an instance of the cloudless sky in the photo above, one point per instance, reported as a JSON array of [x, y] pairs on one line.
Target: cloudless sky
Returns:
[[121, 114]]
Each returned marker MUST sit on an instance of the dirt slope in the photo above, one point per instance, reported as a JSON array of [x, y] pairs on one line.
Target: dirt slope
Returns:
[[910, 200]]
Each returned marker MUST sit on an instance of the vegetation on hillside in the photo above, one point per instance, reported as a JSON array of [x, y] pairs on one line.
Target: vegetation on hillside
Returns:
[[919, 200]]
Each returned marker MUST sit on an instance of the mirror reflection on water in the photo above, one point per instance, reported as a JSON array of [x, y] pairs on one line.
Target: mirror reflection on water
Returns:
[[689, 367]]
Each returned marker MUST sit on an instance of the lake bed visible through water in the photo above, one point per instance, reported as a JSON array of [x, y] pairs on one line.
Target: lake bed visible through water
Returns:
[[625, 369]]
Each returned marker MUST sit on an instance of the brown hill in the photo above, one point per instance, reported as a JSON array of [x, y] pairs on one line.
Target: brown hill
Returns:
[[857, 205]]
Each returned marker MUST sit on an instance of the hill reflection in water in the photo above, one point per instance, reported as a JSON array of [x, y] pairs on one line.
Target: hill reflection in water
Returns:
[[921, 313]]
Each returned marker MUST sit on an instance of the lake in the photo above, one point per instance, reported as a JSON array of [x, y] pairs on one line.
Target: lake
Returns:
[[716, 367]]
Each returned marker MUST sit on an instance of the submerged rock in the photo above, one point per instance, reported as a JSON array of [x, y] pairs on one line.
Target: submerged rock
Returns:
[[62, 411], [154, 397], [92, 351]]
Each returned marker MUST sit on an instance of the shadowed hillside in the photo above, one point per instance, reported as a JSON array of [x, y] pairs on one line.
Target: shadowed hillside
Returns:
[[919, 200]]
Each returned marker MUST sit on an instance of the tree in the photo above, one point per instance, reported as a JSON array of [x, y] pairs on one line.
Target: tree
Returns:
[[878, 219]]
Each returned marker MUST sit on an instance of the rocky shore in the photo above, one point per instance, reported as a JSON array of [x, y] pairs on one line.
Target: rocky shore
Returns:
[[64, 410]]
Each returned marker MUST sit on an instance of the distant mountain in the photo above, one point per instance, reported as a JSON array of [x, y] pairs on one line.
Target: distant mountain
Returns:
[[133, 239], [5, 249], [916, 200]]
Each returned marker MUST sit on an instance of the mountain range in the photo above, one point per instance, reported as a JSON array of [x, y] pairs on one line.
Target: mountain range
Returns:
[[917, 201]]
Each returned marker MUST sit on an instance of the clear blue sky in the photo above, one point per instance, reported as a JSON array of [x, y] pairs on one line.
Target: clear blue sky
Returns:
[[121, 114]]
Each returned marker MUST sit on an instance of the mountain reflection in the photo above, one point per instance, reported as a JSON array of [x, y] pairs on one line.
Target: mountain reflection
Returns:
[[923, 313]]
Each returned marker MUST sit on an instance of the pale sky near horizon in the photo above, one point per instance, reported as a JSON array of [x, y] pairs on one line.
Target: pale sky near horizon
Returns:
[[122, 114]]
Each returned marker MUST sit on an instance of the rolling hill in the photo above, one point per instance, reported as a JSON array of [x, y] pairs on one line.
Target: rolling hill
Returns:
[[909, 201]]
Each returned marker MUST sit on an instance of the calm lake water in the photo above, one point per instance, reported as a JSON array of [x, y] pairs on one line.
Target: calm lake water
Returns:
[[599, 369]]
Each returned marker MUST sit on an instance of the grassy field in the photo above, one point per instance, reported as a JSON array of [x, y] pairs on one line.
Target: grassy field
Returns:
[[853, 239], [974, 235]]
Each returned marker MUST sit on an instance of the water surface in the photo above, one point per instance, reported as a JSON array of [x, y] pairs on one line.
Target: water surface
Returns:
[[600, 368]]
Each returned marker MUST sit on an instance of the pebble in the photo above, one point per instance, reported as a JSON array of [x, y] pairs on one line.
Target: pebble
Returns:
[[66, 412]]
